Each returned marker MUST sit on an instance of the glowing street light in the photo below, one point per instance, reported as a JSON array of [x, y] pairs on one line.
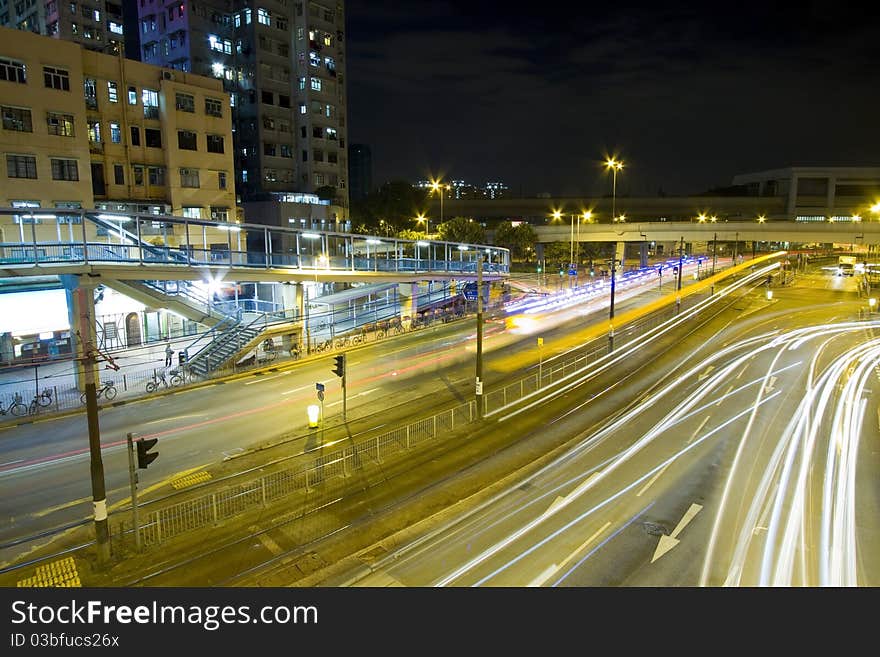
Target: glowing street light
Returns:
[[615, 166], [438, 187], [422, 217], [761, 219]]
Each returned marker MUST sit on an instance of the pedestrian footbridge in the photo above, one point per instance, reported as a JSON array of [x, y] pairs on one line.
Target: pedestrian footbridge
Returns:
[[38, 242]]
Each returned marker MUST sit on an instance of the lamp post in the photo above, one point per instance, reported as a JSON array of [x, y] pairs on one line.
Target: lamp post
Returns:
[[438, 187], [611, 306], [615, 166], [714, 245]]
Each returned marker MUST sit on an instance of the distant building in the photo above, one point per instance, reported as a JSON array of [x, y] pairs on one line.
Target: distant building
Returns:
[[82, 129], [96, 24], [494, 190], [360, 171]]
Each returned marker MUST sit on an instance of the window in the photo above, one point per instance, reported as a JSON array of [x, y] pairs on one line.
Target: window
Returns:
[[132, 96], [271, 175], [115, 133], [59, 124], [116, 27], [286, 150], [314, 59], [281, 24], [192, 212], [21, 166], [213, 107], [219, 214], [305, 155], [319, 179], [316, 84], [90, 89], [269, 148], [157, 176], [64, 169], [189, 177], [331, 157], [16, 118], [283, 101], [135, 136], [267, 97], [331, 133], [138, 172], [268, 123], [283, 125], [150, 100], [317, 132], [118, 174], [184, 102], [112, 91], [318, 156], [302, 83], [56, 78], [215, 143], [221, 180], [186, 140], [12, 71], [94, 132], [302, 109], [153, 138], [263, 17]]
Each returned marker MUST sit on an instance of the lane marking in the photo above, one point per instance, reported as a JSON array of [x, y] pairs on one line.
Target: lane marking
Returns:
[[266, 378]]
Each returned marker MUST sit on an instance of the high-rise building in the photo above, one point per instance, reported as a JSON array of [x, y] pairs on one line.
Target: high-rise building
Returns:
[[96, 24], [283, 64], [360, 171]]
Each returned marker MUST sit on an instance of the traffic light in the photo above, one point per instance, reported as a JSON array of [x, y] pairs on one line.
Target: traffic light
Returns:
[[145, 457], [339, 368]]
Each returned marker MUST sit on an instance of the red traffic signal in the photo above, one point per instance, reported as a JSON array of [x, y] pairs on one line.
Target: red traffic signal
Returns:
[[144, 456]]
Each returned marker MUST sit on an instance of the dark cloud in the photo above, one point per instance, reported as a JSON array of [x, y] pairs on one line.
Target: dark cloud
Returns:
[[687, 96]]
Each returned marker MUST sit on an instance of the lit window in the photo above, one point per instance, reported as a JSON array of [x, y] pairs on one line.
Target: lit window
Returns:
[[112, 91], [192, 212], [263, 17], [115, 133], [12, 71], [316, 84]]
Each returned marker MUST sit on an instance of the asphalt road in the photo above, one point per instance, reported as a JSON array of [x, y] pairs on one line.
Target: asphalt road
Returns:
[[751, 462], [44, 466]]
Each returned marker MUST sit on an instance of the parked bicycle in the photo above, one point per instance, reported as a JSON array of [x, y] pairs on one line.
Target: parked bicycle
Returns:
[[107, 391], [327, 345], [157, 381], [178, 377], [45, 397], [17, 407]]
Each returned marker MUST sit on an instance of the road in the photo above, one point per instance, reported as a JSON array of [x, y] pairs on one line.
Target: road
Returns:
[[752, 462], [46, 463]]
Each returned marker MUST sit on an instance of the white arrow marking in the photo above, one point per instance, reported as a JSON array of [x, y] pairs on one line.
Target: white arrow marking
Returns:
[[552, 570], [706, 373], [770, 383], [668, 542]]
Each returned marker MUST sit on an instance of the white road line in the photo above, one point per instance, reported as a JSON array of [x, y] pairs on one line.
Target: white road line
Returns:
[[290, 392], [699, 428], [653, 479], [266, 378], [724, 396], [20, 460]]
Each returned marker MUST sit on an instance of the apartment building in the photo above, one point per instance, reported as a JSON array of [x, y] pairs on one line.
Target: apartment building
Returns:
[[283, 64], [94, 24], [82, 129]]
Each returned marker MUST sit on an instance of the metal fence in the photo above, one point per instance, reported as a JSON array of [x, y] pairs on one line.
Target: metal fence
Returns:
[[304, 473]]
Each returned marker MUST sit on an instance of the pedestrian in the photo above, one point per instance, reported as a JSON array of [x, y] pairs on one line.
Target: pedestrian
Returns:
[[169, 352]]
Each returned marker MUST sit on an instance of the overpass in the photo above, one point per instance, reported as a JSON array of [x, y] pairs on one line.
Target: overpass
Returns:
[[854, 233]]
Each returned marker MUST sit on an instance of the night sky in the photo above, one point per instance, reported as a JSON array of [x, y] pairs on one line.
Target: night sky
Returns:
[[536, 94]]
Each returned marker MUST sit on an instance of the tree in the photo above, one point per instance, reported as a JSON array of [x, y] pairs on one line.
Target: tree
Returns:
[[326, 193], [462, 229], [390, 208], [520, 239]]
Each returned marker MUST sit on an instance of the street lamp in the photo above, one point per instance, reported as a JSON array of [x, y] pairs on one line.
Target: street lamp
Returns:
[[438, 187], [615, 166], [422, 217]]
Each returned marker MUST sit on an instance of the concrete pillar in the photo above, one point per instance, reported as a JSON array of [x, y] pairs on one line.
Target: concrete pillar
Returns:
[[620, 255], [643, 254], [830, 195], [81, 313], [292, 298], [408, 293], [791, 208]]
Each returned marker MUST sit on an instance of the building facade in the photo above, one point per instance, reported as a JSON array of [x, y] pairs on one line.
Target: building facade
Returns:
[[82, 129], [283, 64], [94, 24]]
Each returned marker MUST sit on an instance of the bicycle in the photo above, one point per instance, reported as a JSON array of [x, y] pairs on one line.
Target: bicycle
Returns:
[[45, 397], [323, 346], [178, 377], [107, 390], [154, 383], [17, 407]]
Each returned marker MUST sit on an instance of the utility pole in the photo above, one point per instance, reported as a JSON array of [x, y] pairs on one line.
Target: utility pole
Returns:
[[84, 308], [680, 263], [611, 307], [133, 480], [479, 382]]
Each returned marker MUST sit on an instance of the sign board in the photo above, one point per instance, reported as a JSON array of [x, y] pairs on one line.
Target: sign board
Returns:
[[319, 387], [320, 395], [479, 387], [540, 342], [572, 269]]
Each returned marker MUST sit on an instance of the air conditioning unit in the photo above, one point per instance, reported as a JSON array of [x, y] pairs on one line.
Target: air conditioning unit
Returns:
[[168, 75]]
